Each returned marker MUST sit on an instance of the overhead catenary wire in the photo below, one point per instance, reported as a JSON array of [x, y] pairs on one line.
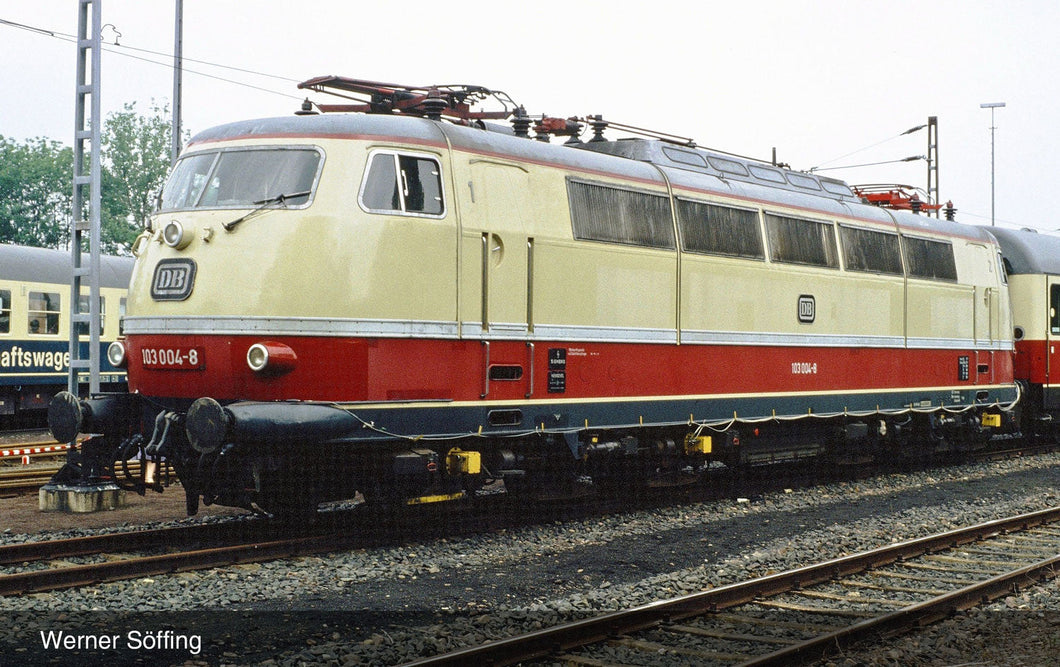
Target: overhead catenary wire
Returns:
[[911, 158], [846, 155], [122, 50]]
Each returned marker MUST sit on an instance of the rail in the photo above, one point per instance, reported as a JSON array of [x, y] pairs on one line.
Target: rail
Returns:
[[554, 642]]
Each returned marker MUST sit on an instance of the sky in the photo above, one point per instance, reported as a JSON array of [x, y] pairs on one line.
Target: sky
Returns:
[[826, 83]]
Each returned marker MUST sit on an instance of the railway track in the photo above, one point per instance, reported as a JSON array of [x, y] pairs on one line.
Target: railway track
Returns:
[[28, 459], [46, 565], [802, 614], [18, 481]]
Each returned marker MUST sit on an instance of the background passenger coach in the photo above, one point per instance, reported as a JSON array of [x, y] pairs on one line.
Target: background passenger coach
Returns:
[[404, 300], [35, 328]]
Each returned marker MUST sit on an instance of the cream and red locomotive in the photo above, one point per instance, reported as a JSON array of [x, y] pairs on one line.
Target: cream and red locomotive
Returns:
[[390, 303]]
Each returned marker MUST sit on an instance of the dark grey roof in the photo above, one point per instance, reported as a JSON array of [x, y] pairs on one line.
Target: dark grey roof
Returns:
[[639, 159], [44, 265], [1027, 251], [723, 165]]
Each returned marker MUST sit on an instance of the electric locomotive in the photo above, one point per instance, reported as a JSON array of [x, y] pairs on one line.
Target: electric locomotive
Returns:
[[403, 300]]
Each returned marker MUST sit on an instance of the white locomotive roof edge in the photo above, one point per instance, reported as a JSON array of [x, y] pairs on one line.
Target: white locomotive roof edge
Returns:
[[640, 159]]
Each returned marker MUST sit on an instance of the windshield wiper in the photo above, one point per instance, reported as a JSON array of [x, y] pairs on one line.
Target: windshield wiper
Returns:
[[265, 204]]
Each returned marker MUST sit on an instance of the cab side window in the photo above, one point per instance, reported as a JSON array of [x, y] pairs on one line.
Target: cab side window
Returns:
[[402, 184]]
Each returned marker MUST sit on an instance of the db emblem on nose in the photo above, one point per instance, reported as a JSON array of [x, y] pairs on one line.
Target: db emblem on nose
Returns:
[[173, 280]]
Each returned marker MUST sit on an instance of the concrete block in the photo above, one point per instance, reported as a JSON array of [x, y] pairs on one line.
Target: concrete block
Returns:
[[80, 499]]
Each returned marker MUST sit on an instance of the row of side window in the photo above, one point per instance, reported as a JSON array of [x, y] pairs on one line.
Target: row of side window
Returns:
[[631, 217], [410, 184], [43, 310]]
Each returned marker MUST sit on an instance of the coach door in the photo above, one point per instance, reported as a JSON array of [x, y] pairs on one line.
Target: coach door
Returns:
[[1052, 340], [497, 261]]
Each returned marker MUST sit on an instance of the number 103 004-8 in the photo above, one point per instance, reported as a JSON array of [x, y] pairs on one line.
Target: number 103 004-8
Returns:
[[803, 368], [166, 357]]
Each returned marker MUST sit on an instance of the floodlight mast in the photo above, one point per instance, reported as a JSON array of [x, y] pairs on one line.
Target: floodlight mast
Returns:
[[992, 106]]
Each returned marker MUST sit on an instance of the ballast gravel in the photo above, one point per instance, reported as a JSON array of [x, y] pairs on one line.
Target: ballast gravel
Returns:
[[392, 605]]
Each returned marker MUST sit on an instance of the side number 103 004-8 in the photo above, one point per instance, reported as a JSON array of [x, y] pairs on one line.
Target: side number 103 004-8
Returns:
[[175, 358]]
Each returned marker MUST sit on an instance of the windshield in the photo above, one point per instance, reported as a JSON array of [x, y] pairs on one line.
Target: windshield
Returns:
[[241, 178]]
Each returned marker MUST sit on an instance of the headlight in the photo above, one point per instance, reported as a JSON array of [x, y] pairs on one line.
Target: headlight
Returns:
[[258, 357], [116, 354], [270, 358], [175, 235]]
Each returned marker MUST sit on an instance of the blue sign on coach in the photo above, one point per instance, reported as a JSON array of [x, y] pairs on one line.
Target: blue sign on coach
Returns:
[[173, 280]]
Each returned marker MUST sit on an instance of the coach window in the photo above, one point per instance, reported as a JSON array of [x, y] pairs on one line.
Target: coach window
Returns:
[[44, 312], [5, 311], [1054, 309], [402, 184]]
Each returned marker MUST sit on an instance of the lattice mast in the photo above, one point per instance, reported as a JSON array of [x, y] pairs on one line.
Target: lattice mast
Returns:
[[85, 317], [933, 163]]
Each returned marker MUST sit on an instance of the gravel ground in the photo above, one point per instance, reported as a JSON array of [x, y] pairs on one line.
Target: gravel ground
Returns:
[[387, 606]]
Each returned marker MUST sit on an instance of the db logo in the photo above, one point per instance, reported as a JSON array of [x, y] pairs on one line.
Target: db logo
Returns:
[[173, 280], [807, 308]]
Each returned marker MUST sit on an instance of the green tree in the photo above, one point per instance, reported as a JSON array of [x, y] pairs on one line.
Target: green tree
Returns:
[[135, 163], [36, 182], [36, 185]]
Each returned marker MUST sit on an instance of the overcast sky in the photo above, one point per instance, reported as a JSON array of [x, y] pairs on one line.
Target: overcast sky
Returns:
[[817, 80]]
